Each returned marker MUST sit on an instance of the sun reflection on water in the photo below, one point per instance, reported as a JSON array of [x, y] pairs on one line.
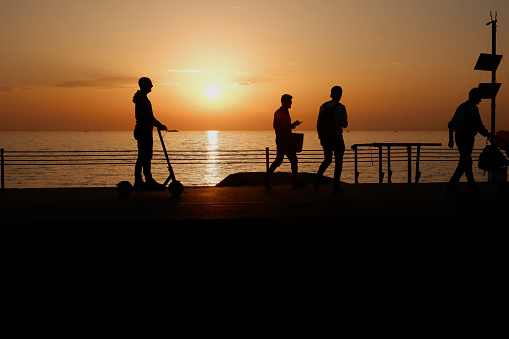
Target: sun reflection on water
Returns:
[[211, 167]]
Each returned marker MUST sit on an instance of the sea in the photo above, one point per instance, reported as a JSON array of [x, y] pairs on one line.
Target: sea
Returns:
[[43, 159]]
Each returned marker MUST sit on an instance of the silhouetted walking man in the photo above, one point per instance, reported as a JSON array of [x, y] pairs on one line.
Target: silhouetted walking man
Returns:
[[283, 127], [466, 122], [145, 123], [332, 119]]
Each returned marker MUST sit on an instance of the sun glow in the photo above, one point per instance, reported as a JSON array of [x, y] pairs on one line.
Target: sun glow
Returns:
[[212, 92]]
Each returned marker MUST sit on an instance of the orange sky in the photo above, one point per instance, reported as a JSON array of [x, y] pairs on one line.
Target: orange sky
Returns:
[[74, 65]]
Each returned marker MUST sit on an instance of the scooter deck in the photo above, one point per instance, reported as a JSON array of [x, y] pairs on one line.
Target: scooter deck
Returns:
[[148, 188]]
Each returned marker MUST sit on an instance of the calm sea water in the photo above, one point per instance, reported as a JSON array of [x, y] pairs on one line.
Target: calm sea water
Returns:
[[201, 158]]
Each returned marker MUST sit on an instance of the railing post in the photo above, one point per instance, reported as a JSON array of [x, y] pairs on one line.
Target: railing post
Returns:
[[267, 159], [2, 185], [409, 151], [417, 172], [380, 158], [389, 172], [356, 174]]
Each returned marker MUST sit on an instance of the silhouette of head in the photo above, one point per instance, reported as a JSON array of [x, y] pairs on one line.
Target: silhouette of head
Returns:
[[475, 95], [336, 92], [286, 101], [145, 84]]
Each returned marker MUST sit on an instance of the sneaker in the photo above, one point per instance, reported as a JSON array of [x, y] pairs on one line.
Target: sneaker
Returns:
[[298, 184], [316, 182], [266, 183], [154, 185], [337, 190], [140, 185]]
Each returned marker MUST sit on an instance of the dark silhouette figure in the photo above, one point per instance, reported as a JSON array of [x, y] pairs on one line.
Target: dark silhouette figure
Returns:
[[145, 123], [285, 146], [466, 122], [332, 119]]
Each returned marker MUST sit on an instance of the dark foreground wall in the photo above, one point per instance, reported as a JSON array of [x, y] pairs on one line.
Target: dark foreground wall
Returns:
[[251, 278]]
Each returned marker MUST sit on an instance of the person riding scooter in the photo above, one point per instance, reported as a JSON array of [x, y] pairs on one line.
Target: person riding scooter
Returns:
[[145, 122]]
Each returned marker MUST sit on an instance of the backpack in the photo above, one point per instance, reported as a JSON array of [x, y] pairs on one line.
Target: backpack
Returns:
[[491, 158], [326, 127]]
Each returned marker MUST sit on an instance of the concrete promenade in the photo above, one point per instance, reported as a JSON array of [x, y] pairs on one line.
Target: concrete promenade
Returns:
[[379, 261], [408, 203]]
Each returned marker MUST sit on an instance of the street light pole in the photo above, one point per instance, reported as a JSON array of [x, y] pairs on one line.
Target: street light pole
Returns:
[[493, 24]]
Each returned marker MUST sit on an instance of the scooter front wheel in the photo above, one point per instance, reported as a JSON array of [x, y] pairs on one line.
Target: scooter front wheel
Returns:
[[176, 188]]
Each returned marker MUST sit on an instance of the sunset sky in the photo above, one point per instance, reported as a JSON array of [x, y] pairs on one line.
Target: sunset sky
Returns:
[[224, 64]]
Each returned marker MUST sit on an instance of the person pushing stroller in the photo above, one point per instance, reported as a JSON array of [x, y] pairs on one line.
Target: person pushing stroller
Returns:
[[463, 127]]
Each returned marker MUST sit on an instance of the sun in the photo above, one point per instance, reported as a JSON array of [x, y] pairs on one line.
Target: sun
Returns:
[[212, 92]]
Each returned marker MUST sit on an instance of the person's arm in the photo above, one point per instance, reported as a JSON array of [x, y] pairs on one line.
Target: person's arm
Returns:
[[318, 122], [161, 126], [480, 126], [296, 123], [157, 124], [343, 117], [451, 134]]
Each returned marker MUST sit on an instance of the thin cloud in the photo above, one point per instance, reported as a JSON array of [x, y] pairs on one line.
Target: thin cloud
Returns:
[[430, 63], [167, 83], [184, 70], [238, 84], [234, 77], [247, 79], [238, 72], [101, 83], [10, 89], [384, 64]]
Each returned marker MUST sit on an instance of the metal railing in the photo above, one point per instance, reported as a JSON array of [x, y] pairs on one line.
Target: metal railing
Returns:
[[364, 153], [393, 145]]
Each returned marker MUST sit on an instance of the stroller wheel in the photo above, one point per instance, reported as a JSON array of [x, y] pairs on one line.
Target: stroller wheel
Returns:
[[124, 188], [176, 188]]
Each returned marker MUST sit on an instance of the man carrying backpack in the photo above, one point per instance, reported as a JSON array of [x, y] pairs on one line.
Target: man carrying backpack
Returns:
[[466, 122], [332, 119]]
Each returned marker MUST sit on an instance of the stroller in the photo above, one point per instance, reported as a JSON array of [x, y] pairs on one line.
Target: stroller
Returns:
[[491, 159]]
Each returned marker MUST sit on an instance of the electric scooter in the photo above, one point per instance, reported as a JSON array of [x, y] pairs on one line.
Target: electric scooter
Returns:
[[124, 188]]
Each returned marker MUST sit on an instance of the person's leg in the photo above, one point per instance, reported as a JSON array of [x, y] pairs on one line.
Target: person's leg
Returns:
[[138, 179], [147, 159], [327, 160], [294, 162], [339, 152], [455, 179], [466, 159], [141, 161], [464, 143], [275, 164]]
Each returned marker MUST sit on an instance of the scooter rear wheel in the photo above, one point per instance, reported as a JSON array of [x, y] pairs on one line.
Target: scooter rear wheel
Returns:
[[124, 188]]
